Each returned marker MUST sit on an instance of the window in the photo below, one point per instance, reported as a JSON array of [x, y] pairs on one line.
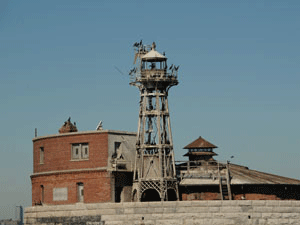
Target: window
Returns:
[[80, 151], [117, 146], [41, 155], [118, 151], [42, 193], [80, 192]]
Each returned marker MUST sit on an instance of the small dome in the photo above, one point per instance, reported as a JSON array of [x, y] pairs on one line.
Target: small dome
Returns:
[[153, 55], [68, 127]]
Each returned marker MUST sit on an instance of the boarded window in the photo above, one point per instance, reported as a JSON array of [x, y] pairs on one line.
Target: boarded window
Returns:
[[85, 151], [80, 151], [60, 194], [42, 193], [42, 155]]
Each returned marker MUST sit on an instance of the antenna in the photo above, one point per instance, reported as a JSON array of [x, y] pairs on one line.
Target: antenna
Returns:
[[119, 70], [99, 127]]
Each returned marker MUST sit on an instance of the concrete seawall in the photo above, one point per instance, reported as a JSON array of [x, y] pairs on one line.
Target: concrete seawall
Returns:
[[167, 213]]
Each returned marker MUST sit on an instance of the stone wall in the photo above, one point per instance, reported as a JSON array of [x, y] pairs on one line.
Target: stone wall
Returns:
[[9, 222], [168, 213]]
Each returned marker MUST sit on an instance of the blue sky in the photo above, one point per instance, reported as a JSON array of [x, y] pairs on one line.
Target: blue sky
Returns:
[[238, 82]]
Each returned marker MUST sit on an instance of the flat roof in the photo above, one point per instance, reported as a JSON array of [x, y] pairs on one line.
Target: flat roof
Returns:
[[86, 132]]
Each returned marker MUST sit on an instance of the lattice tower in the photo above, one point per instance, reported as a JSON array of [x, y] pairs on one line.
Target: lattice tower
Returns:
[[154, 162]]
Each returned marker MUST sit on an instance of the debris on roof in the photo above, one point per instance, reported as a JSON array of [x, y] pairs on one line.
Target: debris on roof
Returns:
[[68, 127]]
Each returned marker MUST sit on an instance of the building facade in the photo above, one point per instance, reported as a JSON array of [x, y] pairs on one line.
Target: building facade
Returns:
[[88, 167]]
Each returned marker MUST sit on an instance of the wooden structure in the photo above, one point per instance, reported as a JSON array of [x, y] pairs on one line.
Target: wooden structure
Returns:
[[202, 165], [224, 183], [154, 175], [200, 149]]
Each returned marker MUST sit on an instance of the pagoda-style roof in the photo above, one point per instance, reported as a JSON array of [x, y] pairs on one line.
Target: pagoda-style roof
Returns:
[[200, 143], [200, 153]]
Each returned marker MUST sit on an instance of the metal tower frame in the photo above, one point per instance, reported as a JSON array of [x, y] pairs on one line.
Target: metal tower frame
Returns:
[[154, 162]]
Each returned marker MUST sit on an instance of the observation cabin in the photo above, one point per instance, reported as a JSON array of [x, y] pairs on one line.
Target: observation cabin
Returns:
[[154, 68]]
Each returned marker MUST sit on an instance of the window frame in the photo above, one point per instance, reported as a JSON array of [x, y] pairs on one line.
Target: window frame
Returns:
[[78, 151]]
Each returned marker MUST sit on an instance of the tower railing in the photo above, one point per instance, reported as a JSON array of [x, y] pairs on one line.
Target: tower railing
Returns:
[[201, 169]]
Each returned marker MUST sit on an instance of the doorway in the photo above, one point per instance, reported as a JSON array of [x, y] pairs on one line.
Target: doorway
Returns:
[[80, 192], [150, 195]]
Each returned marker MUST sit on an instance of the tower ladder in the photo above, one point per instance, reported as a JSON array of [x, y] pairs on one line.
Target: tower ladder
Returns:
[[224, 183]]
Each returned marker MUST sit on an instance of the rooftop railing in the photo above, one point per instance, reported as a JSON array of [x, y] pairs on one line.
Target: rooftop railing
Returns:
[[201, 169]]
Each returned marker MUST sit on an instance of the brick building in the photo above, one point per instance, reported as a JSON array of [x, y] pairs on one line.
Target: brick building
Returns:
[[89, 167], [97, 166]]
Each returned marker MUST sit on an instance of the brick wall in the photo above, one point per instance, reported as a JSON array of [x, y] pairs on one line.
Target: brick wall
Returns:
[[201, 196], [97, 187], [254, 196], [59, 165], [191, 193], [57, 151]]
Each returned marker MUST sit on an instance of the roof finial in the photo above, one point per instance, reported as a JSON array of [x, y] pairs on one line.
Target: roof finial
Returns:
[[153, 46]]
